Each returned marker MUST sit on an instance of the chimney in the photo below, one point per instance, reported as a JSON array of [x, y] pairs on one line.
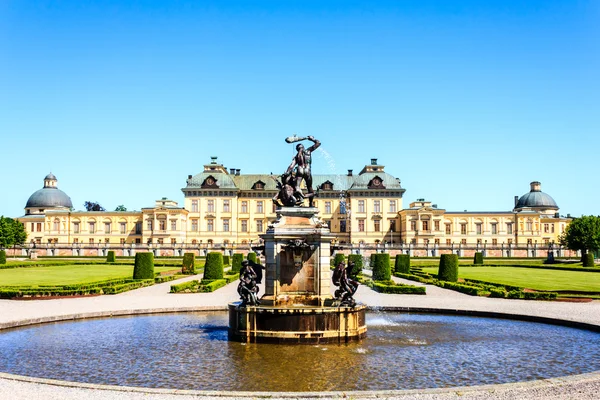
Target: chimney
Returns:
[[231, 171], [373, 161], [189, 177], [349, 172], [516, 200], [237, 171], [536, 186]]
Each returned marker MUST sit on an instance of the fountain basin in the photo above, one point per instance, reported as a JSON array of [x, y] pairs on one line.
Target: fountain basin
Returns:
[[296, 324]]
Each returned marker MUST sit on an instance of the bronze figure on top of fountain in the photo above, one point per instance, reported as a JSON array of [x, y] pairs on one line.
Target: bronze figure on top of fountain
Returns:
[[301, 164]]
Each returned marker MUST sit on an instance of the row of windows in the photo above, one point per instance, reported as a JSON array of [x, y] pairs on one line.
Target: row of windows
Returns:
[[376, 225], [377, 206], [425, 226]]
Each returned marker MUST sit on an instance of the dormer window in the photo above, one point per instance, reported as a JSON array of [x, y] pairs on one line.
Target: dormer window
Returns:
[[376, 183], [259, 185], [210, 182], [327, 186]]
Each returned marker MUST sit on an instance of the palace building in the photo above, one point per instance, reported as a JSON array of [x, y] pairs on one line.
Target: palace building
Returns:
[[227, 208]]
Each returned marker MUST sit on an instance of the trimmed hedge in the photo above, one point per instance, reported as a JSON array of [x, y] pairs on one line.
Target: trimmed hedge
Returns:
[[587, 260], [466, 289], [124, 287], [188, 264], [2, 257], [144, 266], [415, 278], [236, 263], [213, 269], [402, 264], [358, 264], [478, 259], [448, 269], [232, 277], [226, 260], [251, 257], [110, 256], [390, 287], [339, 257], [199, 287], [381, 267]]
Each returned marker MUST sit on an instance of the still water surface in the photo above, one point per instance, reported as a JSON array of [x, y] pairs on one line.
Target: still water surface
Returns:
[[401, 351]]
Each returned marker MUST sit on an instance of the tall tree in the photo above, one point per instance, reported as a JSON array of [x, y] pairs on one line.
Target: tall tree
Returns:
[[582, 234], [121, 208], [93, 206], [12, 232]]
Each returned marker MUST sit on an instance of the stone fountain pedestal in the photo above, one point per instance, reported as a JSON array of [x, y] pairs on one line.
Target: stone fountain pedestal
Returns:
[[297, 303]]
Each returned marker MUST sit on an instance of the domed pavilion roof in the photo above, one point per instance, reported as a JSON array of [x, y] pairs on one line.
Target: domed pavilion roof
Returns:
[[536, 199], [49, 196]]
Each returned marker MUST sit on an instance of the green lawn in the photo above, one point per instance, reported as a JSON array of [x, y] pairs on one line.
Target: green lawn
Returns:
[[67, 274], [532, 278], [426, 262]]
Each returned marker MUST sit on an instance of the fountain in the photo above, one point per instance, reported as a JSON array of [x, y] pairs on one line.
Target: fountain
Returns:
[[297, 306]]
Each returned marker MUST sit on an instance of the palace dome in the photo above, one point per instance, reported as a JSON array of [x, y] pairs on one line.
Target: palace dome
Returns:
[[536, 199], [49, 196]]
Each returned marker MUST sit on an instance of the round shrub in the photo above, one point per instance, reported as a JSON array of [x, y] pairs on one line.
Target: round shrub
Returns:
[[236, 263], [251, 256], [213, 269], [339, 257], [448, 270], [358, 264], [2, 257], [402, 264], [225, 260], [110, 256], [188, 265], [478, 258], [381, 267], [588, 260], [144, 266]]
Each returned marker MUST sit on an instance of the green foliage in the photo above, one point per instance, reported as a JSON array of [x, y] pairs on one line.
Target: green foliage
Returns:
[[195, 286], [188, 264], [416, 278], [402, 264], [121, 208], [466, 289], [110, 256], [582, 234], [251, 256], [236, 262], [381, 267], [339, 257], [588, 260], [358, 264], [391, 287], [213, 269], [2, 257], [226, 260], [448, 268], [478, 258], [232, 277], [93, 206], [144, 266], [12, 232]]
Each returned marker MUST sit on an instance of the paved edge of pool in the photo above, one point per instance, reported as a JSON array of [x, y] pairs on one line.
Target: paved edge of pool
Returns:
[[542, 384]]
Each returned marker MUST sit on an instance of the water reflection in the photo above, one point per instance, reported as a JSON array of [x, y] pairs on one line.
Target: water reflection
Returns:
[[402, 351]]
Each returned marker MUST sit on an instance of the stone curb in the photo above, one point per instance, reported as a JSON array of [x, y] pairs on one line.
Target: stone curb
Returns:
[[488, 391]]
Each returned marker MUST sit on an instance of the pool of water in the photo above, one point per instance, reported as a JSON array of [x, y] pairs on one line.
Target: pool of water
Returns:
[[401, 351]]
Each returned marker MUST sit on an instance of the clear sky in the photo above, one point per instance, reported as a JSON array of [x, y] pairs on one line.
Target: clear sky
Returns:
[[466, 102]]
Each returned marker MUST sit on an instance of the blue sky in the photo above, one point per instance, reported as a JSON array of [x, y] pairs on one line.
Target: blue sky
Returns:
[[466, 102]]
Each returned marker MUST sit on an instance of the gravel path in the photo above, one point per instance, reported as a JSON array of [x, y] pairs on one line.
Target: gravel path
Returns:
[[157, 298]]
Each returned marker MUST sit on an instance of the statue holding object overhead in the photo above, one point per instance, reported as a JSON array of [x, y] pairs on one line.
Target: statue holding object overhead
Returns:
[[301, 163]]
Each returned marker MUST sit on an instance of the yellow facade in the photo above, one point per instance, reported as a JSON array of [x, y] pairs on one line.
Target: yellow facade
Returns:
[[225, 208]]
